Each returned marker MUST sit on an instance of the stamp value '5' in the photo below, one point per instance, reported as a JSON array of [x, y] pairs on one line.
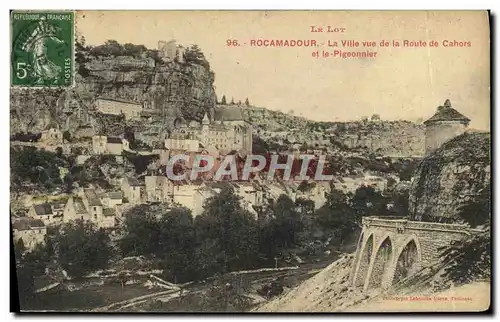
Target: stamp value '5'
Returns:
[[42, 48]]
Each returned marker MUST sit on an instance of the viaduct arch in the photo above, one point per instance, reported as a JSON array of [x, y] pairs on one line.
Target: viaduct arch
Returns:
[[390, 249]]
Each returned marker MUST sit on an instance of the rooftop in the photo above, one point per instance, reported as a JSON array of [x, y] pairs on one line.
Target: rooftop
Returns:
[[133, 182], [79, 206], [111, 139], [43, 209], [447, 113], [108, 212], [27, 224], [92, 198], [115, 195]]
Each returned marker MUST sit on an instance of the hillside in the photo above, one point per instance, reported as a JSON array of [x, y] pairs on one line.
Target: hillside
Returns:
[[166, 89], [456, 174], [389, 138], [329, 291]]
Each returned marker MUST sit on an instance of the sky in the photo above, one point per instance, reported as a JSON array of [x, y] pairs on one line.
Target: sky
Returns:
[[398, 83]]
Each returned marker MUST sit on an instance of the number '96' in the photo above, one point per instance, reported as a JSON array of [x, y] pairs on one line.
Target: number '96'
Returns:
[[232, 43]]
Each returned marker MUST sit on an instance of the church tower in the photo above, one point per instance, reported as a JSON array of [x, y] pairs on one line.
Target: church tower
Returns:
[[443, 126], [205, 130]]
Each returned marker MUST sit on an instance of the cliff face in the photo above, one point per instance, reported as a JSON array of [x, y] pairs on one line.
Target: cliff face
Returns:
[[452, 176], [391, 138], [167, 90]]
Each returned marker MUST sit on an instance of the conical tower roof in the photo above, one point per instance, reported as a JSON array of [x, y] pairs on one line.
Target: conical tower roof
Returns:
[[447, 113]]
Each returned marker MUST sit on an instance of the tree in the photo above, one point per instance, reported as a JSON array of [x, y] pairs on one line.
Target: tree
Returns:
[[287, 222], [82, 248], [194, 55], [142, 232], [247, 102], [133, 50], [306, 206], [336, 214], [305, 186], [230, 230], [368, 202], [19, 248], [400, 201], [67, 136], [177, 242], [477, 212], [223, 100], [232, 100], [375, 117]]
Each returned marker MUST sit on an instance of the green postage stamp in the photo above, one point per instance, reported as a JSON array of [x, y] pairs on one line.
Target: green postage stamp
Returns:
[[42, 48]]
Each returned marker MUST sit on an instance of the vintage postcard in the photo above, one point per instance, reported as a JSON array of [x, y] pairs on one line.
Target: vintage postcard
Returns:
[[250, 161]]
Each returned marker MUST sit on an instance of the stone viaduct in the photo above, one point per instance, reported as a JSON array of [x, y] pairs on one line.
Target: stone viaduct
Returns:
[[390, 250]]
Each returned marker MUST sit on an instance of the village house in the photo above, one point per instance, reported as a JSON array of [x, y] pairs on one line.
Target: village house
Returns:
[[112, 199], [88, 206], [31, 231], [113, 106], [109, 145], [200, 196], [159, 189], [132, 190], [51, 136], [46, 213], [184, 193], [93, 204], [75, 210], [251, 196], [316, 193]]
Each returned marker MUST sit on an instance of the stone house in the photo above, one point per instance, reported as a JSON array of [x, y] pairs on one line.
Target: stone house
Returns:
[[75, 210], [317, 194], [132, 190], [88, 206], [51, 136], [109, 145], [31, 231], [46, 213], [184, 193], [108, 219], [200, 196], [112, 199], [93, 205], [251, 196], [159, 189]]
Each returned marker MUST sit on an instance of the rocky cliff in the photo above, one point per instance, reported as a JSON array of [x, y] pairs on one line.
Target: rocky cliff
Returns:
[[390, 138], [166, 89], [452, 176]]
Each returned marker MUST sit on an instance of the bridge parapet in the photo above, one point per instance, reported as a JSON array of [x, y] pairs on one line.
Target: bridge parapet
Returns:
[[395, 222]]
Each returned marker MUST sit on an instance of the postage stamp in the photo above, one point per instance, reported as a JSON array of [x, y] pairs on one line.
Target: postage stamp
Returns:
[[42, 48]]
